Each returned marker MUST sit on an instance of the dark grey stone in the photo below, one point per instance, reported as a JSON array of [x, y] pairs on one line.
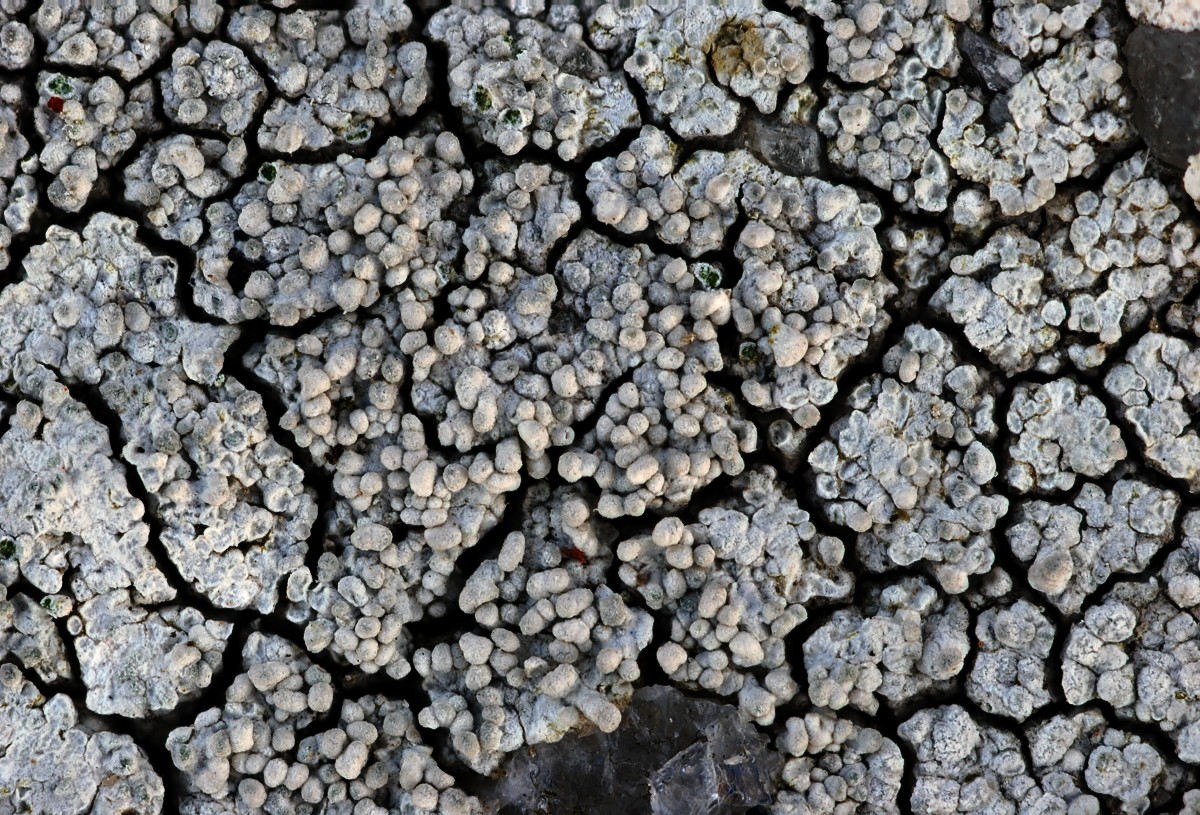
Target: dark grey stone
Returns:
[[997, 69], [794, 149], [697, 756], [1164, 67]]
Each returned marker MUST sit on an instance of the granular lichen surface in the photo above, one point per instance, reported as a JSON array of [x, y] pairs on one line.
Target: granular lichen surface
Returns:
[[659, 407]]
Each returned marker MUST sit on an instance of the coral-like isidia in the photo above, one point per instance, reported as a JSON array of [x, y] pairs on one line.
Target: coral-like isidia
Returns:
[[568, 407]]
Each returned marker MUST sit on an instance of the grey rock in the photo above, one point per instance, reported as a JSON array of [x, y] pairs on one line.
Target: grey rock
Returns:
[[794, 149], [997, 69], [672, 755], [1164, 67], [712, 776]]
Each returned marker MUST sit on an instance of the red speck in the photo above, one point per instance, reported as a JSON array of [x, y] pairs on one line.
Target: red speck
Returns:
[[55, 104], [575, 554]]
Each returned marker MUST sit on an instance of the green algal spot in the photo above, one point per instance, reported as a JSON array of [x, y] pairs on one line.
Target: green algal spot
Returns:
[[47, 603], [267, 173], [708, 275], [60, 85], [360, 133], [483, 99], [8, 547], [749, 353], [446, 273], [511, 117]]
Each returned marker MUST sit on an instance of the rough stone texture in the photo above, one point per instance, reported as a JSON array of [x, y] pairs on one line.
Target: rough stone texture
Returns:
[[671, 755], [1163, 67]]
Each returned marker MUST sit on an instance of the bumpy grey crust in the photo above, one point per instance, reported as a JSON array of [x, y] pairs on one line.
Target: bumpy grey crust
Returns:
[[555, 407]]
